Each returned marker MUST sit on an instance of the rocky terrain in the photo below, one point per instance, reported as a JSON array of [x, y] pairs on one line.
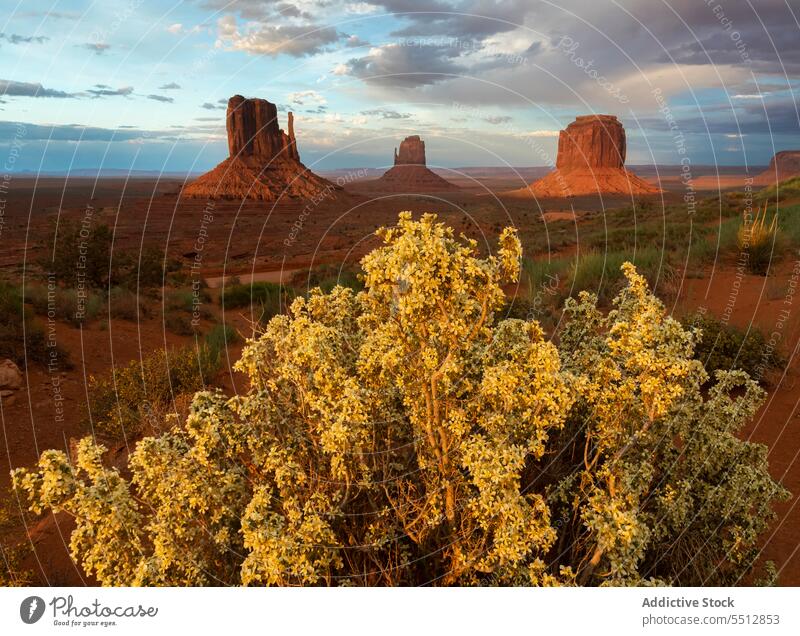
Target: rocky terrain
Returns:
[[591, 160], [784, 165], [263, 161], [410, 173]]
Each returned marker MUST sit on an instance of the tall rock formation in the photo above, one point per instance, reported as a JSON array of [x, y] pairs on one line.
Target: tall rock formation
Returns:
[[412, 152], [410, 174], [591, 160], [263, 161], [784, 165]]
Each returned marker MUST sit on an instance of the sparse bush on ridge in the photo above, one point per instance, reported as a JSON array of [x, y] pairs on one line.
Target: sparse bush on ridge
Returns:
[[406, 435], [779, 192]]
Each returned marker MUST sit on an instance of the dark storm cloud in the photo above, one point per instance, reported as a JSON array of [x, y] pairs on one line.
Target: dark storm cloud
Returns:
[[760, 34], [260, 9], [469, 18], [620, 38], [291, 11], [161, 98], [777, 117], [14, 38], [398, 65], [11, 88]]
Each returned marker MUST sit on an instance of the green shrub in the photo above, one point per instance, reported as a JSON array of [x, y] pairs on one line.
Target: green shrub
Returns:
[[722, 347], [713, 208], [79, 254], [85, 254], [326, 277], [221, 337], [21, 337], [265, 299], [124, 304], [65, 304], [178, 323], [117, 400], [142, 269]]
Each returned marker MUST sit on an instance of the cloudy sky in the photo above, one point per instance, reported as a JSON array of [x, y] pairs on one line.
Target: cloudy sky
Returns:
[[142, 84]]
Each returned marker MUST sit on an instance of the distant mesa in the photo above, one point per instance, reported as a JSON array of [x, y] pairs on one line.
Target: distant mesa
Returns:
[[410, 172], [784, 165], [591, 160], [263, 161]]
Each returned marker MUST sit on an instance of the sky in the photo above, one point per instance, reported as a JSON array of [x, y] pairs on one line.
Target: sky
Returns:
[[142, 84]]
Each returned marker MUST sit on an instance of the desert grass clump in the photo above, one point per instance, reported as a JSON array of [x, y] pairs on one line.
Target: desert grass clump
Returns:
[[118, 401], [723, 347], [326, 277], [22, 337], [757, 239], [264, 299], [125, 304], [64, 303], [601, 272]]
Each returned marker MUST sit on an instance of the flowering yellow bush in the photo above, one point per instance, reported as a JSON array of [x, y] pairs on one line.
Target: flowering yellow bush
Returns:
[[406, 435]]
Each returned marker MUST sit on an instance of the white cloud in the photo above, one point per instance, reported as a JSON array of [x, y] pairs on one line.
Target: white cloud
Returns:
[[360, 8], [258, 38], [306, 98], [541, 133]]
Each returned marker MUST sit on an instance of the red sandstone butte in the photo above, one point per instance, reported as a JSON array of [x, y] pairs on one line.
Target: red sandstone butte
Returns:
[[263, 161], [591, 160], [784, 165], [410, 173]]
